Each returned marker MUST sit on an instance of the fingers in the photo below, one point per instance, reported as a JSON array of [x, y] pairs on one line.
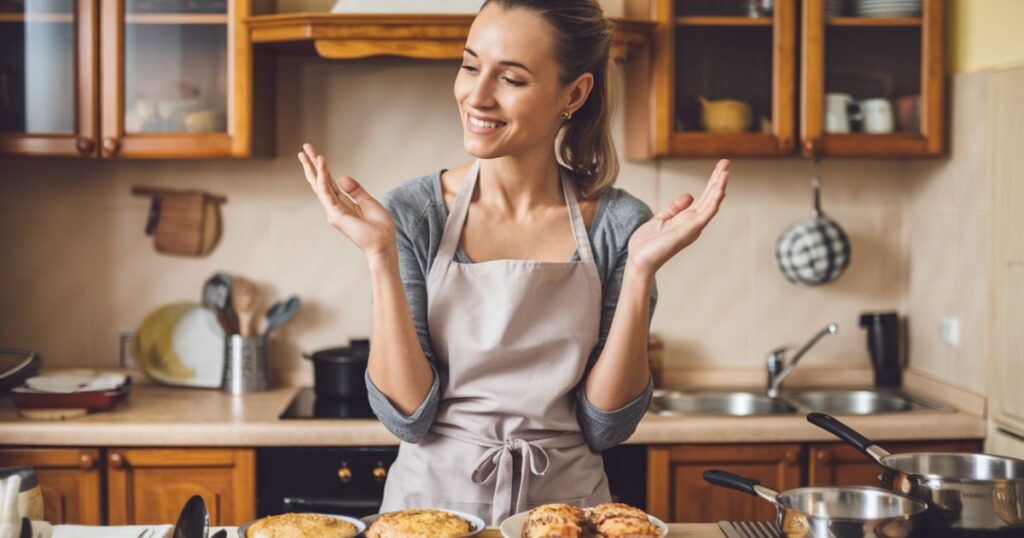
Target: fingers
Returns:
[[676, 206], [710, 200], [321, 185]]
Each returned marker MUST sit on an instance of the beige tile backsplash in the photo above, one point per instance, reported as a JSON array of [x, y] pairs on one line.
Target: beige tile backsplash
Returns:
[[78, 268]]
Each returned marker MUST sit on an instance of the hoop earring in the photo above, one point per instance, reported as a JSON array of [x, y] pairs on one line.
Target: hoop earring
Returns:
[[566, 115]]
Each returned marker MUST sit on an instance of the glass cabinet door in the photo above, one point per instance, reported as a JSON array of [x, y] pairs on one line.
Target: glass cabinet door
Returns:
[[873, 78], [47, 77], [169, 88]]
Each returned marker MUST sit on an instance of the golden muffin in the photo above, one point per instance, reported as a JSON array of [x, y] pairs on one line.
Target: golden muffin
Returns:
[[419, 523], [301, 526], [556, 521]]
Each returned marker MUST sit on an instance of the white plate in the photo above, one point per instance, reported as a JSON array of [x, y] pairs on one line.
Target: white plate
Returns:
[[477, 523], [513, 526], [181, 344], [360, 526]]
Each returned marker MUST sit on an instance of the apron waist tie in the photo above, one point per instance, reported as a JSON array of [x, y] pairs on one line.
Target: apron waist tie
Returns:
[[496, 464]]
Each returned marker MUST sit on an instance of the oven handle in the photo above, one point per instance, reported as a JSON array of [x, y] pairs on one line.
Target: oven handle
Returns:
[[316, 504]]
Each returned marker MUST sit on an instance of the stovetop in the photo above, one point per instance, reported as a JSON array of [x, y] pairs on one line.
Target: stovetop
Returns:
[[307, 404]]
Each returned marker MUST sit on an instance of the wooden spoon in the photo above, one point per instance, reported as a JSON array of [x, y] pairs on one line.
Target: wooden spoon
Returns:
[[246, 302]]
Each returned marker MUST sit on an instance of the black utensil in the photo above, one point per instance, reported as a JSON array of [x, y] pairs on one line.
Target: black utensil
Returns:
[[220, 534], [217, 297], [193, 521]]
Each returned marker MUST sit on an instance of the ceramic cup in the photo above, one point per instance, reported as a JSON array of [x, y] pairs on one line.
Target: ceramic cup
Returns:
[[837, 116], [878, 117]]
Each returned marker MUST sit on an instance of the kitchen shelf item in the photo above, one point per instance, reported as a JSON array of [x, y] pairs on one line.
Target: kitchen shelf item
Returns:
[[17, 365], [831, 512], [95, 400], [815, 251], [183, 222], [181, 344], [280, 313], [725, 116], [964, 492], [245, 298], [246, 364]]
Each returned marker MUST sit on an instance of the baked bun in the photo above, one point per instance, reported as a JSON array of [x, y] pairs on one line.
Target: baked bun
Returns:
[[618, 520], [419, 523], [556, 521], [301, 526]]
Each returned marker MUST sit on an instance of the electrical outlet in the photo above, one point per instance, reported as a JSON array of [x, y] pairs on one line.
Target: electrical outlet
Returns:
[[949, 331], [127, 358]]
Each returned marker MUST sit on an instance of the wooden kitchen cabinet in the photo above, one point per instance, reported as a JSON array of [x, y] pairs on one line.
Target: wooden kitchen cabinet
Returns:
[[152, 485], [127, 78], [868, 57], [70, 480], [677, 492], [839, 464]]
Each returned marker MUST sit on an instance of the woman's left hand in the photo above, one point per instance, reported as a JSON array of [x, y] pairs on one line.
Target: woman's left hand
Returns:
[[679, 225]]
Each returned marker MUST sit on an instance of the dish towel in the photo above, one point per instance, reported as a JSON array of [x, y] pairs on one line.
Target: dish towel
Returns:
[[119, 531]]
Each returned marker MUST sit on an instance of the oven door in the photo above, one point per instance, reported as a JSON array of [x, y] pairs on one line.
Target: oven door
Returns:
[[346, 480]]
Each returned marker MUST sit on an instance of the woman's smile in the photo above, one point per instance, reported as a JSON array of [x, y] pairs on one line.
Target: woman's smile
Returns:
[[483, 125]]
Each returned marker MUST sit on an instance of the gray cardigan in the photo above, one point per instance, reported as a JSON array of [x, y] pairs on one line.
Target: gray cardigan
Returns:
[[419, 212]]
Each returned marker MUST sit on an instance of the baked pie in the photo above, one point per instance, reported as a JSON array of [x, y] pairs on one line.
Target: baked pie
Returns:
[[419, 523], [608, 520], [301, 526]]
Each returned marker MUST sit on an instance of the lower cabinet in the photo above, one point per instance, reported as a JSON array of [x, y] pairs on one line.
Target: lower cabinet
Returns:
[[151, 485], [831, 464], [70, 480], [677, 492]]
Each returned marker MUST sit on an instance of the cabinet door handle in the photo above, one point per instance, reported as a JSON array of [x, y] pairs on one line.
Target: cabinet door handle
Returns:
[[812, 147], [86, 461], [117, 461], [824, 455], [111, 146], [85, 146]]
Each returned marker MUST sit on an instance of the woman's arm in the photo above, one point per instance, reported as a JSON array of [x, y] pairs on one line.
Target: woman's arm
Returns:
[[622, 372], [397, 364]]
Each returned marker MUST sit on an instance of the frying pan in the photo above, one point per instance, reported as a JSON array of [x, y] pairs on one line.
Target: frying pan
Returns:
[[832, 512], [970, 492]]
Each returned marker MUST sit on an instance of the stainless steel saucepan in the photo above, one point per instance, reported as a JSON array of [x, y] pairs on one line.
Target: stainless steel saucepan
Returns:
[[833, 512], [969, 492]]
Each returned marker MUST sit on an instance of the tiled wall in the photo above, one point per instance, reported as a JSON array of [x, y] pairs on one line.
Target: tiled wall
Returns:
[[78, 269]]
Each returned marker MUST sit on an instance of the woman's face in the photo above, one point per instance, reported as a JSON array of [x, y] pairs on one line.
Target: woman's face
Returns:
[[508, 89]]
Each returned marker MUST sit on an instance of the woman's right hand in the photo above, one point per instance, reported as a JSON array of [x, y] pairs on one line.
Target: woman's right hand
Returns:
[[349, 208]]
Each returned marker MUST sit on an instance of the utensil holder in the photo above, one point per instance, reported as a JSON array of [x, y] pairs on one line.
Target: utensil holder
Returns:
[[246, 364]]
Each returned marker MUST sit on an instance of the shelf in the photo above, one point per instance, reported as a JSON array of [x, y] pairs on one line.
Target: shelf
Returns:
[[724, 21], [176, 18], [37, 17], [875, 145], [434, 37], [704, 144], [874, 21]]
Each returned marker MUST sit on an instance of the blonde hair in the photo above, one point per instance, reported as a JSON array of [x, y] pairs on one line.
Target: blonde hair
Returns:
[[582, 41]]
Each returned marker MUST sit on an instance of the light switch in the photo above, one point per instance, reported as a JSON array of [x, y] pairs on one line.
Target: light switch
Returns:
[[949, 331]]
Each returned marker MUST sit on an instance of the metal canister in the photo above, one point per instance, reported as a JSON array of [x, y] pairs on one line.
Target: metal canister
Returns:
[[246, 364]]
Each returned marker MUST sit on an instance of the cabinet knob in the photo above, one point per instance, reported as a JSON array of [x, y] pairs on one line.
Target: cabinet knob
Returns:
[[86, 461], [345, 474], [812, 147], [85, 146], [380, 473], [824, 455], [117, 461], [111, 146], [792, 456]]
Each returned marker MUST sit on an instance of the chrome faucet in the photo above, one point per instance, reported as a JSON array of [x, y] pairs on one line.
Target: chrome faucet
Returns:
[[779, 369]]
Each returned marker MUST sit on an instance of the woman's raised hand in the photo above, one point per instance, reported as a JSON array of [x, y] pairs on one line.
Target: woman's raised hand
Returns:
[[348, 207], [679, 225]]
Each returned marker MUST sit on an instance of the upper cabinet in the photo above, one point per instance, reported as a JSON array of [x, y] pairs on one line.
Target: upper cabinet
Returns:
[[48, 67], [126, 78], [723, 79]]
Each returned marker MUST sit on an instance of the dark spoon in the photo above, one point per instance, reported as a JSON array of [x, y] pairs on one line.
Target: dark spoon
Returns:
[[194, 520]]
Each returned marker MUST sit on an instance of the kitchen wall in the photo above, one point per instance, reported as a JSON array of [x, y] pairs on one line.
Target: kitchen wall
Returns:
[[78, 268]]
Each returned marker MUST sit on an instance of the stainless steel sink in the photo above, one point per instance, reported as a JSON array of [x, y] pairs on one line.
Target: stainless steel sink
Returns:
[[859, 402], [741, 403], [733, 404]]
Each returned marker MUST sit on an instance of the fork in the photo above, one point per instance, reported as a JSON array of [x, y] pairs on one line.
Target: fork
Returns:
[[148, 532]]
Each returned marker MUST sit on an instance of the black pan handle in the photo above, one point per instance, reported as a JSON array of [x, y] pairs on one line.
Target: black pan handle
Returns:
[[842, 431], [732, 481]]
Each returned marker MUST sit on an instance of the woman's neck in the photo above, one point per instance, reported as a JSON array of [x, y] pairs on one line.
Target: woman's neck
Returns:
[[517, 185]]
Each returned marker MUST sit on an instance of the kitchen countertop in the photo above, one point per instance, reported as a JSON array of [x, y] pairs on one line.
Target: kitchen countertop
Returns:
[[155, 415], [675, 530]]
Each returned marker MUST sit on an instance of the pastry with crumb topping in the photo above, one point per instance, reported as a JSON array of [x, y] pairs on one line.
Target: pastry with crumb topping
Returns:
[[301, 526], [419, 523]]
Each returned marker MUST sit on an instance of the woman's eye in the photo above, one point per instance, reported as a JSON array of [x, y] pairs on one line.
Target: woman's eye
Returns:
[[514, 82], [469, 68]]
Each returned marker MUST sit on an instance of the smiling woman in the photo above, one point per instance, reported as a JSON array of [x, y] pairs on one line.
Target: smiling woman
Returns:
[[513, 294]]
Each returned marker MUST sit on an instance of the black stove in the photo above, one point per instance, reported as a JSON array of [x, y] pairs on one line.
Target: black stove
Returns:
[[307, 404]]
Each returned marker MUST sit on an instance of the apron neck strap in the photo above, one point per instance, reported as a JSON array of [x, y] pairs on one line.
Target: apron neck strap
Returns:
[[457, 217]]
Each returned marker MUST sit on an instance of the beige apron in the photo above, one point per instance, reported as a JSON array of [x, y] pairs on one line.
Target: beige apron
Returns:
[[512, 339]]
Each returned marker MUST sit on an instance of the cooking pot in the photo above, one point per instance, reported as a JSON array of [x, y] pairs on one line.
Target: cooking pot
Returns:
[[832, 512], [965, 492], [338, 372]]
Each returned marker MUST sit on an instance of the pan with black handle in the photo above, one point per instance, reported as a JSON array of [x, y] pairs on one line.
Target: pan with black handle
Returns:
[[968, 492]]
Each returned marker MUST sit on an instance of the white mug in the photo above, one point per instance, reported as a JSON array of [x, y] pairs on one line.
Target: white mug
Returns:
[[837, 118], [878, 117]]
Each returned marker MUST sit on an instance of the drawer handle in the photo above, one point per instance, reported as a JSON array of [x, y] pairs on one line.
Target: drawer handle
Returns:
[[86, 461], [117, 461]]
